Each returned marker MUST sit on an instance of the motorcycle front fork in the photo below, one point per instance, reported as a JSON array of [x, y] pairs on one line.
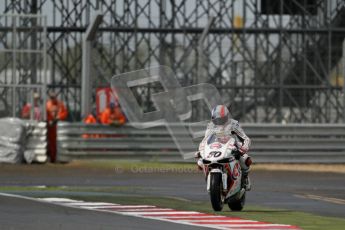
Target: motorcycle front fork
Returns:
[[224, 181]]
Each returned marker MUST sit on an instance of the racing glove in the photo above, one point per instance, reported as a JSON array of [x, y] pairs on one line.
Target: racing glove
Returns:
[[197, 155]]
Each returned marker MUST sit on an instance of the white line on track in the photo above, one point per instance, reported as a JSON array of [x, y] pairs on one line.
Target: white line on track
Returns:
[[134, 206], [156, 213], [227, 221], [56, 199], [98, 204], [323, 198], [146, 210], [206, 217], [251, 225]]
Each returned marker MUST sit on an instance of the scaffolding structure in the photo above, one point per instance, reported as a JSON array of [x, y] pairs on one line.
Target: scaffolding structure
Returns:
[[272, 60], [23, 63]]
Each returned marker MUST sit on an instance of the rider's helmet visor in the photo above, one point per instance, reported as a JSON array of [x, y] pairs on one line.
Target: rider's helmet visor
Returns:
[[220, 120]]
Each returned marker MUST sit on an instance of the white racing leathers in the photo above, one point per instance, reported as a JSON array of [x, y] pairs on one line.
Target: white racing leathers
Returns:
[[231, 127]]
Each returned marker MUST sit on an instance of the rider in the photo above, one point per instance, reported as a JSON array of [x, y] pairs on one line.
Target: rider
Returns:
[[221, 124]]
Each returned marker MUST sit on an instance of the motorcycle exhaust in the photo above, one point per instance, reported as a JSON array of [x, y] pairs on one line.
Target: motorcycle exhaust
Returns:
[[241, 193]]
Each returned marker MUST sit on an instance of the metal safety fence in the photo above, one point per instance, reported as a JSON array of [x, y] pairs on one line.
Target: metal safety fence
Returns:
[[271, 143]]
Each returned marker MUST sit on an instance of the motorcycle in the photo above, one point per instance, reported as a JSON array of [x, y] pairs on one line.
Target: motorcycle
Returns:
[[221, 166]]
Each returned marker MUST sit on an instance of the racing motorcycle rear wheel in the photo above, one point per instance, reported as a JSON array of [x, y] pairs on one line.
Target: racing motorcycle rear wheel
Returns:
[[237, 205]]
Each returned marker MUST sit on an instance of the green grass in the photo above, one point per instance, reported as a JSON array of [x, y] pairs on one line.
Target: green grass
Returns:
[[126, 195]]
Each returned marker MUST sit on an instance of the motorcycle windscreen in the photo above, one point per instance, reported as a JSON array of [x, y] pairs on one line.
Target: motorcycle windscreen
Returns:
[[221, 139]]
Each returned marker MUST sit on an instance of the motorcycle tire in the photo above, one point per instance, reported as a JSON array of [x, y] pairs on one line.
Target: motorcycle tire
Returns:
[[237, 205], [216, 191]]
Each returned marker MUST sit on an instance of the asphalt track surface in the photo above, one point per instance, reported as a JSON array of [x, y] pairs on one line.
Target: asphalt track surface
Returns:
[[17, 213], [273, 189]]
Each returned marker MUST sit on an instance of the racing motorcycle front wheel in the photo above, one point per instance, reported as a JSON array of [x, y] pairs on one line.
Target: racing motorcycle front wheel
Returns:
[[216, 191]]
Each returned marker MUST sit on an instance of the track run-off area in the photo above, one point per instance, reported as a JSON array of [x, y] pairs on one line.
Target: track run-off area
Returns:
[[117, 195]]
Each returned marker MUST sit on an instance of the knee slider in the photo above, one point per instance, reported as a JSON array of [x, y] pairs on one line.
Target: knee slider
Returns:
[[248, 161]]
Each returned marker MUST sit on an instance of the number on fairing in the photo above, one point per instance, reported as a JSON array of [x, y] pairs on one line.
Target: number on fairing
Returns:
[[214, 154]]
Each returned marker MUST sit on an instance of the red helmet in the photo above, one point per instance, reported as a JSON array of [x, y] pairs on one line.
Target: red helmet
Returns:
[[220, 115]]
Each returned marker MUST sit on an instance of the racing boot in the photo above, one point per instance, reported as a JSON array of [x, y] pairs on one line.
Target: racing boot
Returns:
[[246, 181], [199, 163], [245, 162]]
